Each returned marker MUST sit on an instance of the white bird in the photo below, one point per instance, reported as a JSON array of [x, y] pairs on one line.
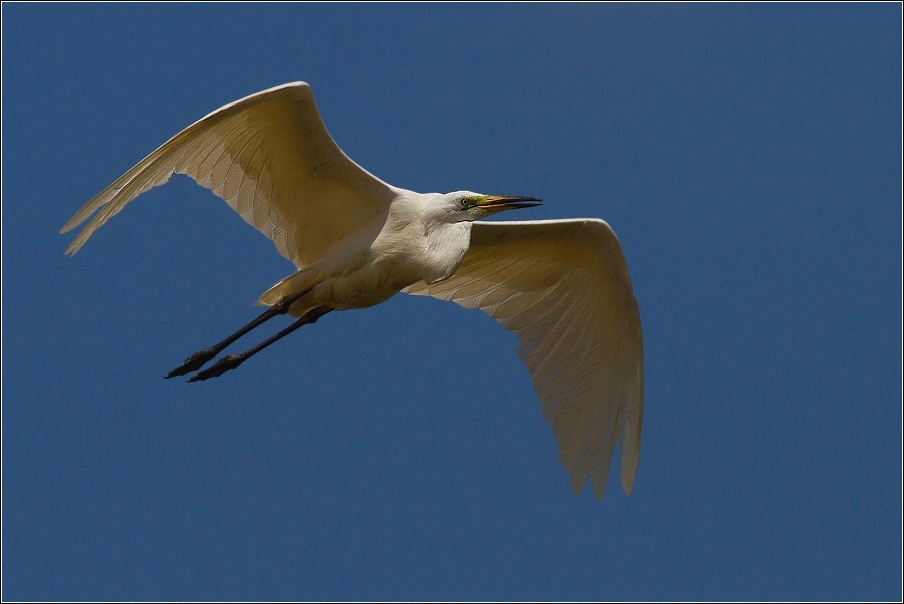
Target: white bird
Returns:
[[561, 286]]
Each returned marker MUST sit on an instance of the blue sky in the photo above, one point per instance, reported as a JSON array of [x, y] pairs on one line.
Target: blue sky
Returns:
[[747, 156]]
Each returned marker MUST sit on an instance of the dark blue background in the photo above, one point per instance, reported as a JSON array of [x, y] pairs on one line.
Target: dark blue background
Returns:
[[749, 159]]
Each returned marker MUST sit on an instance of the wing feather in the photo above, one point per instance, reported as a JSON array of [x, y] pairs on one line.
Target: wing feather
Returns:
[[563, 287], [270, 157]]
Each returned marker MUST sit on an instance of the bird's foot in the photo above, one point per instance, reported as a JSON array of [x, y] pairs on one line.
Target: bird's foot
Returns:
[[230, 361], [194, 362]]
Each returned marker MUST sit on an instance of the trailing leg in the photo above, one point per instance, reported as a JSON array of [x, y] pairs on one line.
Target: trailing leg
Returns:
[[231, 361], [200, 358]]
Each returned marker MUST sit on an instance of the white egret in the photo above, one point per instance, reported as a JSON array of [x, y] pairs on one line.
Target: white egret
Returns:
[[561, 285]]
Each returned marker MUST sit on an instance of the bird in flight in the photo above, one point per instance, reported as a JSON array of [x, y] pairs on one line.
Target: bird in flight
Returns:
[[562, 286]]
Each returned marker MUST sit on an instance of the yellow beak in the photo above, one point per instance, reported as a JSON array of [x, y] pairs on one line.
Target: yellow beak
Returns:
[[498, 203]]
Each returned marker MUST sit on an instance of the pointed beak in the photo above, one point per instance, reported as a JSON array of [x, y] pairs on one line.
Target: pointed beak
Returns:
[[497, 203]]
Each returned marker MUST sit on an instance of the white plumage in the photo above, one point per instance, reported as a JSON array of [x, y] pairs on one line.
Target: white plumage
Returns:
[[561, 285]]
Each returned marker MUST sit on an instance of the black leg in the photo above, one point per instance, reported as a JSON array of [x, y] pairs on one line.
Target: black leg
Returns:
[[231, 361], [198, 359]]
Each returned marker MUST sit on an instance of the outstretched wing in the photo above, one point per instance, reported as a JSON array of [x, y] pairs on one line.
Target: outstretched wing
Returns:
[[563, 287], [271, 159]]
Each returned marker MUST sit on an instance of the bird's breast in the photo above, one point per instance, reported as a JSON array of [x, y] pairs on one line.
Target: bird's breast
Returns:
[[395, 261]]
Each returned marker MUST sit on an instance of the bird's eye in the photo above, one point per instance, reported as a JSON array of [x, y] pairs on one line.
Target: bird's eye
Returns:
[[464, 202]]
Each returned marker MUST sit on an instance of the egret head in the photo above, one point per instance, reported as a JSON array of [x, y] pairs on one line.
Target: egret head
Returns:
[[467, 205]]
